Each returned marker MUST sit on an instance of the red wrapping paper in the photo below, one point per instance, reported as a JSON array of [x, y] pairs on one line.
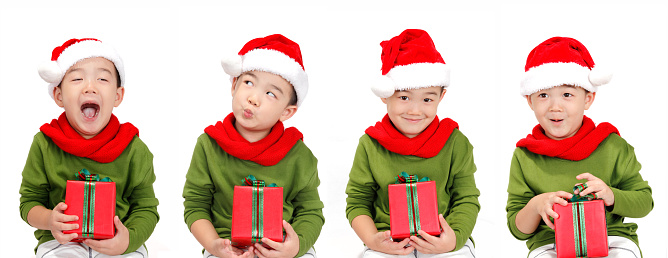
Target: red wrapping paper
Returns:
[[595, 225], [242, 223], [103, 214], [428, 207]]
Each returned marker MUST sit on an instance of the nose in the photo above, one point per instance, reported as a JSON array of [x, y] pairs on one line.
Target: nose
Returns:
[[414, 108], [253, 100], [555, 105], [90, 88]]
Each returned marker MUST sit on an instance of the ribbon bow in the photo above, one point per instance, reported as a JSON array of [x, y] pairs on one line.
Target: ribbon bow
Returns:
[[577, 198], [85, 175], [412, 200], [88, 220], [257, 218], [404, 178]]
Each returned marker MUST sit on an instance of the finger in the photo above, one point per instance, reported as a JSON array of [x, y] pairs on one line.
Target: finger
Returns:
[[586, 175], [119, 225], [402, 243], [547, 221], [563, 194], [60, 207], [426, 239], [65, 238], [261, 249], [444, 224], [271, 243], [407, 250]]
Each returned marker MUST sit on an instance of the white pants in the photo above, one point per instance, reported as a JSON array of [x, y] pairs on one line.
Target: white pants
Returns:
[[467, 251], [310, 253], [73, 249], [618, 247]]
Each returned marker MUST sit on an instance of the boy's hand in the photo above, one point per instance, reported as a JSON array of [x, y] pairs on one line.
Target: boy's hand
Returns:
[[596, 186], [289, 247], [57, 224], [542, 205], [113, 246], [443, 243], [223, 248], [383, 242]]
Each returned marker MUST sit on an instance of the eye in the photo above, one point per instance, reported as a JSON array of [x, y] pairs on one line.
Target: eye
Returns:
[[249, 83], [427, 100], [568, 95], [271, 94], [403, 97], [103, 79], [542, 95]]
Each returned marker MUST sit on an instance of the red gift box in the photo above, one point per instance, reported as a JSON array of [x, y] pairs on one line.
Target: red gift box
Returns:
[[413, 206], [581, 230], [95, 205], [257, 212]]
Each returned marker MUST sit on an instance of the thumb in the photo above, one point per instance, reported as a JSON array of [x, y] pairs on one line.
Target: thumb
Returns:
[[60, 207], [444, 224], [119, 225], [289, 231]]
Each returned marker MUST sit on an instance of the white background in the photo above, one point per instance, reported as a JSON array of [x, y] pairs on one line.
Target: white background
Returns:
[[175, 87]]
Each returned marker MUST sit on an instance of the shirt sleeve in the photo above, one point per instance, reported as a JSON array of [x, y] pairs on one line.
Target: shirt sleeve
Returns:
[[361, 188], [34, 188], [464, 207], [307, 219], [198, 189], [633, 195], [143, 213], [519, 194]]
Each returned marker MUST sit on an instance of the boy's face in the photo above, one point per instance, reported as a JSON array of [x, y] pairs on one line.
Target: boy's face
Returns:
[[559, 110], [89, 92], [259, 101], [411, 111]]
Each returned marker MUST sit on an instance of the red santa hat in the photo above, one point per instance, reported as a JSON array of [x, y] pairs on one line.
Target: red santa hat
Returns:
[[274, 54], [410, 61], [561, 61], [72, 51]]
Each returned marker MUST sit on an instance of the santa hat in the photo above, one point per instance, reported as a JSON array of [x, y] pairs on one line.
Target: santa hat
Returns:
[[561, 61], [410, 61], [72, 51], [274, 54]]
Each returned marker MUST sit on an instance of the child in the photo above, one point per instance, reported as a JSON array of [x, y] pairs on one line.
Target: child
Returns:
[[268, 85], [566, 147], [86, 78], [410, 138]]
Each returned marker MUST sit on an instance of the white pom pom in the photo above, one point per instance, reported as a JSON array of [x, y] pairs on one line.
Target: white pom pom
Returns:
[[50, 72], [383, 87], [232, 65], [599, 76]]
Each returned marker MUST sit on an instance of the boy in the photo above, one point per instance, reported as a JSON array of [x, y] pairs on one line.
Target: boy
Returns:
[[410, 138], [268, 85], [566, 147], [86, 78]]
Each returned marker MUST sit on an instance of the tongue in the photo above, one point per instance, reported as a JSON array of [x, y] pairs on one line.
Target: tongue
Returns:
[[89, 112]]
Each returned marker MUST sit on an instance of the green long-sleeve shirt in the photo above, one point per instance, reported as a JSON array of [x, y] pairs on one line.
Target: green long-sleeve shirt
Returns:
[[375, 167], [614, 162], [213, 173], [48, 168]]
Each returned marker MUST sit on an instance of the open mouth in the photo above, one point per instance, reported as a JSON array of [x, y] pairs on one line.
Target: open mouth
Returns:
[[556, 120], [90, 110]]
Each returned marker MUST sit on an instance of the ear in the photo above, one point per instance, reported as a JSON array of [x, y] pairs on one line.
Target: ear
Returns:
[[589, 99], [234, 85], [120, 92], [384, 100], [442, 94], [58, 96], [288, 112], [529, 101]]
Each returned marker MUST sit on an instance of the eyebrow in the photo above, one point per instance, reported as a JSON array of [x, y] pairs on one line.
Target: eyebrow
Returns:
[[98, 69]]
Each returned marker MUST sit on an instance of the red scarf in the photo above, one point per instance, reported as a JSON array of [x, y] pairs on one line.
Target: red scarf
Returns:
[[426, 145], [266, 152], [104, 147], [577, 147]]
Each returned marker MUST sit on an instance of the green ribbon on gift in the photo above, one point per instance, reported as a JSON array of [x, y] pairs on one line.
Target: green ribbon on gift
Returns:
[[412, 200], [257, 220], [88, 221], [579, 229]]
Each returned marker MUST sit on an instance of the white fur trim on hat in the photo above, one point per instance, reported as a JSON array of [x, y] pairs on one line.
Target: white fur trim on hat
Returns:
[[414, 76], [73, 54], [278, 63], [231, 65], [550, 75]]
